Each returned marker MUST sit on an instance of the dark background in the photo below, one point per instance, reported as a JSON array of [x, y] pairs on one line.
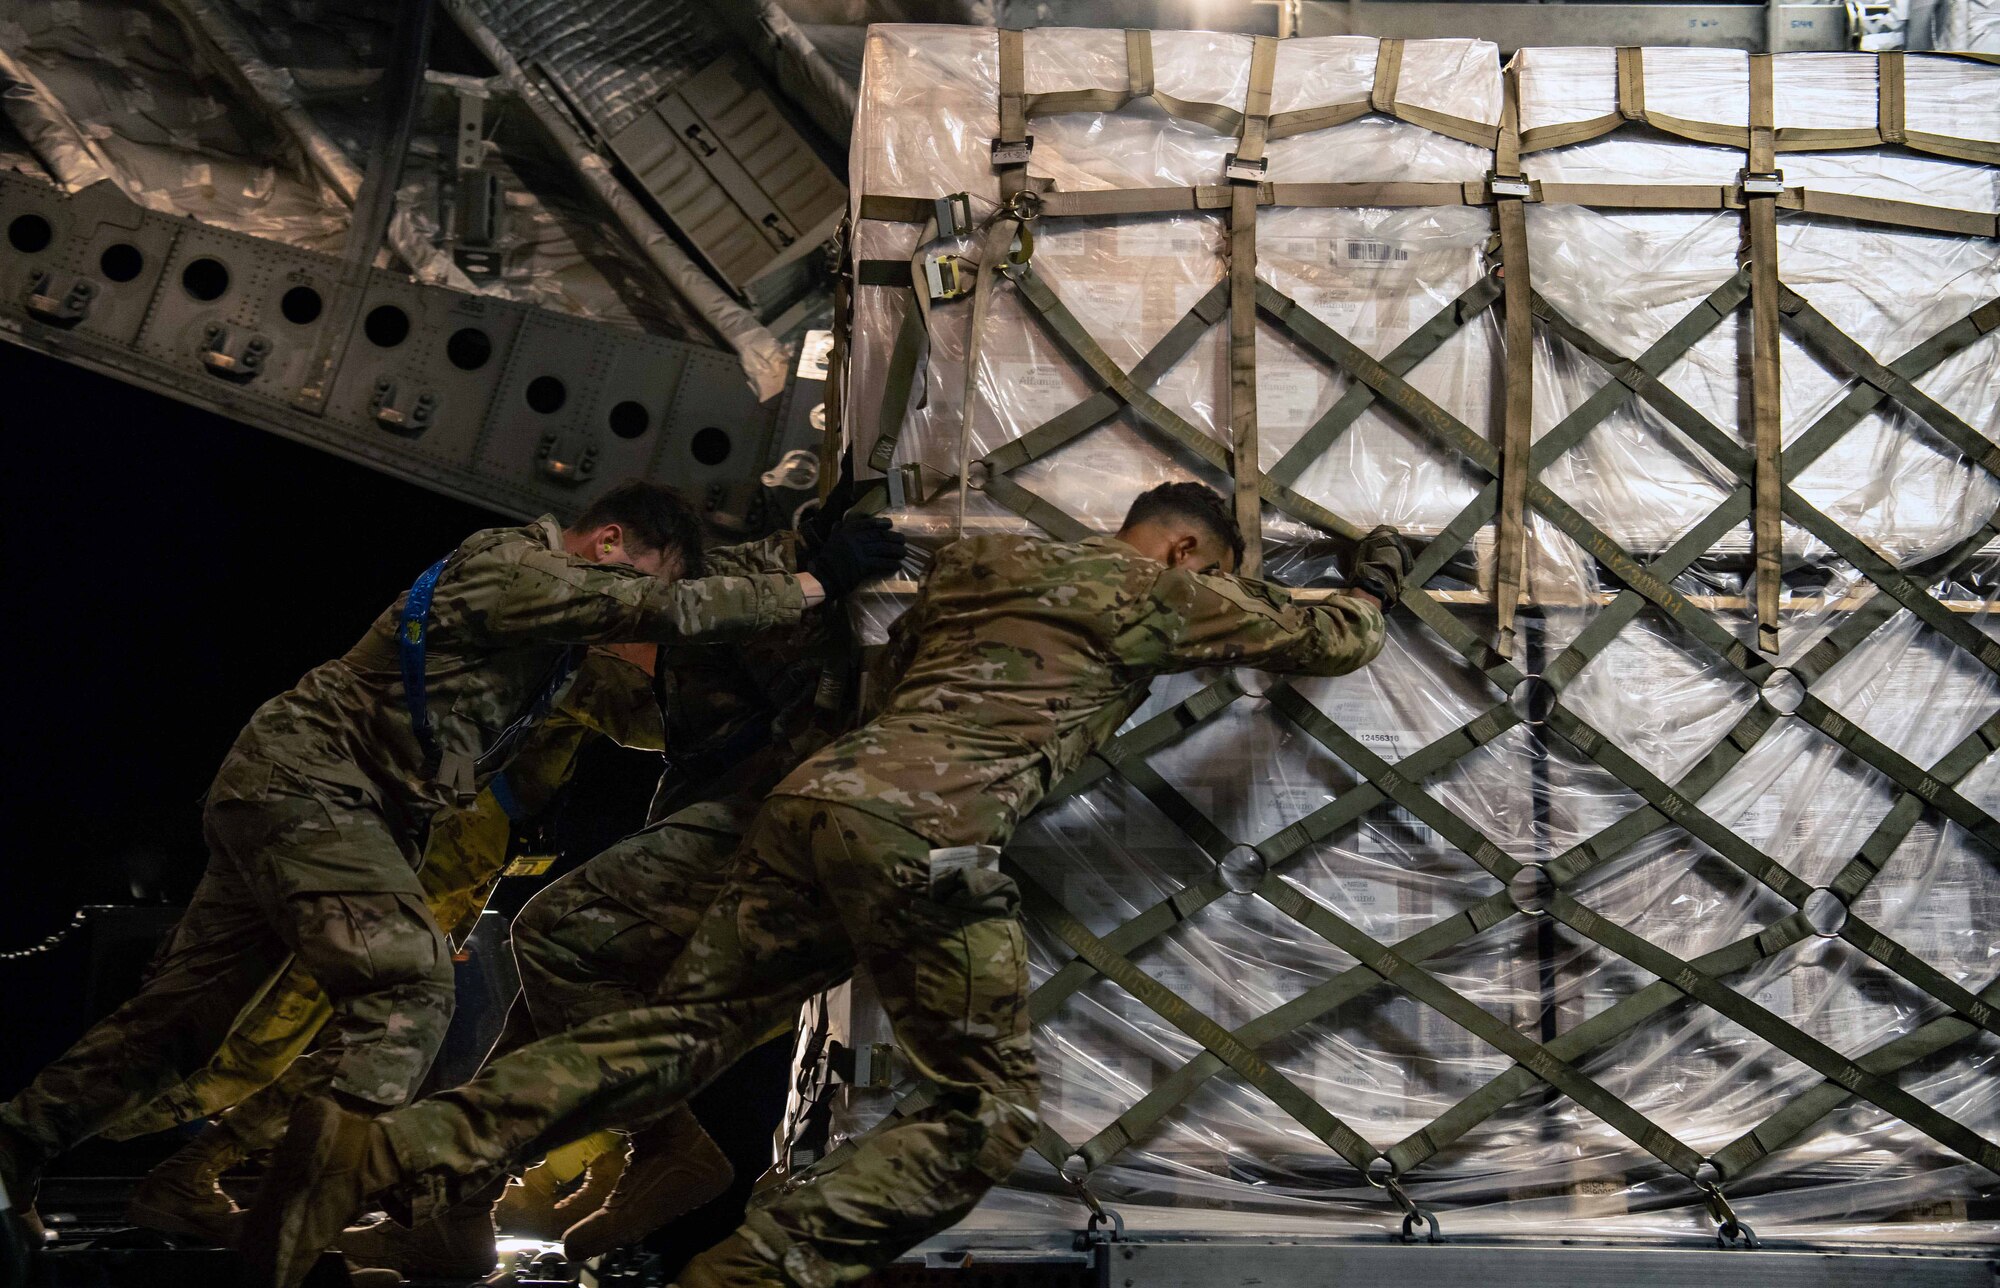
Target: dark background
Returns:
[[167, 571]]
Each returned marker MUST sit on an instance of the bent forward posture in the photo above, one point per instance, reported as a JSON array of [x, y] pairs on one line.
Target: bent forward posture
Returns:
[[1017, 659]]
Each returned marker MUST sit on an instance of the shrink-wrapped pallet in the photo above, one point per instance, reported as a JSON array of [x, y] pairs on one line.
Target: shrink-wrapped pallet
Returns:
[[1637, 210]]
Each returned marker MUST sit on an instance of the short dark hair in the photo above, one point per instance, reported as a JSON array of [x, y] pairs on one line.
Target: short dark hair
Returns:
[[654, 518], [1194, 503]]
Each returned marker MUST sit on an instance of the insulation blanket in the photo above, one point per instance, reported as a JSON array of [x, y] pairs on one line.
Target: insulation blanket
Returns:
[[1778, 796]]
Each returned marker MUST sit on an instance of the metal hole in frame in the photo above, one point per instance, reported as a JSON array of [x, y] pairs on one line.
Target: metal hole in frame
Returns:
[[1783, 690], [1825, 913], [1243, 869], [121, 261], [1533, 699], [30, 234], [1532, 889]]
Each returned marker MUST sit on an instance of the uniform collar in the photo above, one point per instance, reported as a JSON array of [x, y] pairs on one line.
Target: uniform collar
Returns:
[[552, 532]]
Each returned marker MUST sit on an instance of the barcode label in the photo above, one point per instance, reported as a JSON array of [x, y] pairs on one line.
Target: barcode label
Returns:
[[1374, 252]]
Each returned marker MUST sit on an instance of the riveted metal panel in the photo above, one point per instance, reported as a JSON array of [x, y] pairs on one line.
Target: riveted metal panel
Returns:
[[483, 441]]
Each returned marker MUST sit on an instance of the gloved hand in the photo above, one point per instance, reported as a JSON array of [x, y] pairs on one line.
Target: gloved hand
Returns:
[[860, 547], [821, 521], [1381, 560]]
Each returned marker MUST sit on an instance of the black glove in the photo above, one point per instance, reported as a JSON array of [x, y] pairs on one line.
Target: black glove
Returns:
[[819, 523], [1381, 560], [862, 546]]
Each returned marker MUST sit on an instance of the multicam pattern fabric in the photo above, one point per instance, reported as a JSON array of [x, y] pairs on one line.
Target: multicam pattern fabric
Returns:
[[1021, 655], [378, 955], [506, 604], [463, 858], [814, 889], [315, 818]]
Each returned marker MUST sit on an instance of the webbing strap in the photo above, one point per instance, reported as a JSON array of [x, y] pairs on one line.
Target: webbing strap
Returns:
[[1767, 538], [1395, 969], [1099, 202], [991, 246], [1621, 1018], [412, 641], [1013, 111], [1176, 1010], [1403, 359], [1049, 309], [1243, 308], [1468, 840], [832, 437], [1139, 83], [1065, 427], [1814, 331], [1790, 1039], [1447, 429], [1889, 97], [1801, 1111], [1890, 128], [897, 383], [1518, 346]]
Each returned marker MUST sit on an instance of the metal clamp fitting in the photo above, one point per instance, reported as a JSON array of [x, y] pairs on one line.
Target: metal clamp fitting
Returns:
[[1509, 185], [1240, 171], [1729, 1230], [948, 277], [954, 214], [1761, 183], [1011, 152], [1413, 1215]]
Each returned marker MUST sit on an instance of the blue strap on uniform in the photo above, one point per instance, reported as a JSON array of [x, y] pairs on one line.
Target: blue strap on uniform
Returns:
[[503, 795], [411, 638]]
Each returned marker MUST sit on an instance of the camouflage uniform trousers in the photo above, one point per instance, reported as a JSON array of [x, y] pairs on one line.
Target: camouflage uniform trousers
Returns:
[[602, 939], [370, 942], [815, 888]]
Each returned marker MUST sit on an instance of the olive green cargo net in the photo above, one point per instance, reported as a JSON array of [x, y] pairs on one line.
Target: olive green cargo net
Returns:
[[1481, 630]]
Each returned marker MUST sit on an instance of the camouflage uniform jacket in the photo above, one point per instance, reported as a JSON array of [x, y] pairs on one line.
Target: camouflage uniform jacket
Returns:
[[1021, 656], [508, 602]]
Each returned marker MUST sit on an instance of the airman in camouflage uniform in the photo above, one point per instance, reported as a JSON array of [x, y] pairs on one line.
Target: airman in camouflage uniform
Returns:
[[464, 855], [1017, 659], [739, 717], [315, 821]]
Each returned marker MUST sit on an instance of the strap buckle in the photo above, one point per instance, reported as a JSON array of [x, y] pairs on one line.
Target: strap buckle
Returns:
[[1509, 185], [1012, 152], [1761, 183], [954, 214], [1237, 170], [948, 277]]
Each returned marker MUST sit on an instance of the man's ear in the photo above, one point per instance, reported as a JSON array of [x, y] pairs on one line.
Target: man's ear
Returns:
[[1184, 549], [609, 538]]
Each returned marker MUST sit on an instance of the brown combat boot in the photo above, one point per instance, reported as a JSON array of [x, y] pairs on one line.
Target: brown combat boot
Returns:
[[528, 1208], [600, 1181], [328, 1164], [674, 1168], [460, 1244], [184, 1194]]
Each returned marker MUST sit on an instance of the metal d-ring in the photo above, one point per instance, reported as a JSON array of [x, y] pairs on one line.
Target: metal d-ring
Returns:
[[1412, 1214], [1730, 1230]]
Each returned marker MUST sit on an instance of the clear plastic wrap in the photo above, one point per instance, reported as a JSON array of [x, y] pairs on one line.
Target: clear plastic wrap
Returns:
[[1224, 1158]]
